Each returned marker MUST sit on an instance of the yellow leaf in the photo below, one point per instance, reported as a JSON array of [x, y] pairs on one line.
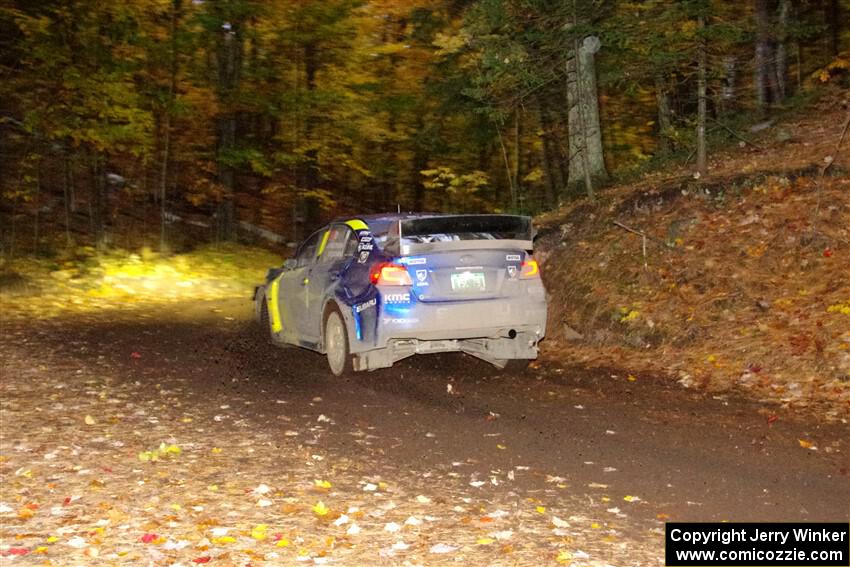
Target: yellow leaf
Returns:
[[595, 525], [631, 378], [216, 450], [213, 488], [500, 446], [40, 549], [630, 498], [320, 509], [90, 420], [259, 532], [485, 541], [282, 543], [564, 556], [52, 539], [541, 509], [805, 444], [171, 450], [322, 484], [223, 539]]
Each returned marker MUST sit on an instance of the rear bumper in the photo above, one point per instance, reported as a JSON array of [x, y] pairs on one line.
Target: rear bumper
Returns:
[[490, 318], [493, 329]]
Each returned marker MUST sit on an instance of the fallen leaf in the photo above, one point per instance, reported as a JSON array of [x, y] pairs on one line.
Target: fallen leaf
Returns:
[[320, 509], [259, 532], [559, 523], [204, 559], [90, 420], [442, 548]]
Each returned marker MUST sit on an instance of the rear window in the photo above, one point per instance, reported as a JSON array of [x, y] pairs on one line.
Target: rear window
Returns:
[[465, 227]]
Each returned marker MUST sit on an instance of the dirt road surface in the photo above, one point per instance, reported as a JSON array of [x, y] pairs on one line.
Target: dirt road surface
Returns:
[[177, 435]]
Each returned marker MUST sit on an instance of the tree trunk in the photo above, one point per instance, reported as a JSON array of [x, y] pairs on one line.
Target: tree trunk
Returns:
[[586, 155], [172, 92], [97, 203], [508, 169], [665, 121], [767, 89], [781, 55], [553, 174], [310, 174], [229, 73], [702, 160], [36, 235], [66, 194], [516, 196], [834, 27], [589, 104], [728, 88]]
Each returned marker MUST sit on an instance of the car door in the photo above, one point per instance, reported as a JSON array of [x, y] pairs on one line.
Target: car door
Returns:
[[292, 292], [325, 274]]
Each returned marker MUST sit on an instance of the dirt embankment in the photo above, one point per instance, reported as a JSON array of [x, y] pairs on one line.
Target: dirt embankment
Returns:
[[740, 280]]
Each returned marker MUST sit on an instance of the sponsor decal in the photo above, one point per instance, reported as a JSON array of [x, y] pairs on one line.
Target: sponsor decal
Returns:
[[513, 258], [365, 305], [512, 272], [397, 298], [364, 247], [399, 320], [415, 261], [421, 276]]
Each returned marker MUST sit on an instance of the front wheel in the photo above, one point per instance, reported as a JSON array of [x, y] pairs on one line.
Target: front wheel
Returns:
[[336, 344]]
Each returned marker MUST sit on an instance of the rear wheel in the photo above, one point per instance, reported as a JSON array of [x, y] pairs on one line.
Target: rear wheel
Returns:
[[336, 344]]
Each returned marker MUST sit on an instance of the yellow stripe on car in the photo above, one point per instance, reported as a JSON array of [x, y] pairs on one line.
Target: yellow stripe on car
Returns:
[[277, 326], [324, 243], [357, 224]]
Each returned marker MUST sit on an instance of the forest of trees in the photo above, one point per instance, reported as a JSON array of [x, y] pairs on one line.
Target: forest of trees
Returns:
[[244, 116]]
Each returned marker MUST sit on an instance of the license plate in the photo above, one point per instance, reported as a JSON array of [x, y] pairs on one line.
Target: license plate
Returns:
[[468, 281]]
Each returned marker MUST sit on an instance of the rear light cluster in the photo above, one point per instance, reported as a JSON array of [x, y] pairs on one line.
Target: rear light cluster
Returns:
[[529, 270], [390, 274]]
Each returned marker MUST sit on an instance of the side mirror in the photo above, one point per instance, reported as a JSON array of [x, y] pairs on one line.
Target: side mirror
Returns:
[[290, 264]]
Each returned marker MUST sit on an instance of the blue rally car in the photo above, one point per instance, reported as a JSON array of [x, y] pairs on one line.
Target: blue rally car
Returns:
[[372, 290]]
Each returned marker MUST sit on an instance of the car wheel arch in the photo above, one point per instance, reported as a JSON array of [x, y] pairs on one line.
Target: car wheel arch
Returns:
[[332, 305]]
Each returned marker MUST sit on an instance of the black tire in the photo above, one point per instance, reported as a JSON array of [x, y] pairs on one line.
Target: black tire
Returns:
[[335, 340], [265, 323]]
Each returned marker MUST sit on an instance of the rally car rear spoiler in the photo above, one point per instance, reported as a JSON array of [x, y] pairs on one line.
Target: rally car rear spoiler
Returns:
[[421, 235]]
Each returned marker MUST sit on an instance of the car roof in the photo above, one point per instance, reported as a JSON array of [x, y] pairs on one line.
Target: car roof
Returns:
[[380, 222]]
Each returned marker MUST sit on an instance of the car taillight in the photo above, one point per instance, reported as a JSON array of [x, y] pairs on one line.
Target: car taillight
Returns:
[[529, 269], [390, 274]]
